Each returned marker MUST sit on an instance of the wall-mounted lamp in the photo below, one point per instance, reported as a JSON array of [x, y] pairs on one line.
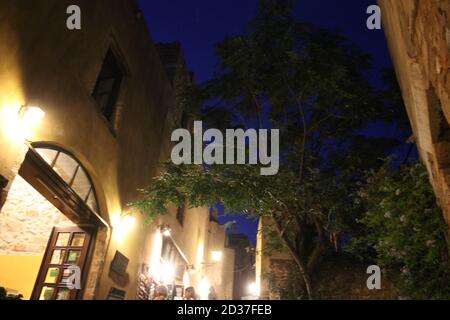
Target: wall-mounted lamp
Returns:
[[167, 272], [190, 269], [128, 222], [31, 116], [216, 256], [122, 225], [166, 230]]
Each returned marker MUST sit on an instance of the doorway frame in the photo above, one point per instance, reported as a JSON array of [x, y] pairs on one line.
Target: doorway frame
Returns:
[[41, 176]]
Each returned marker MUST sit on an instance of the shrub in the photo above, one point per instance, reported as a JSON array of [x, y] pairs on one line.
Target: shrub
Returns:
[[405, 229]]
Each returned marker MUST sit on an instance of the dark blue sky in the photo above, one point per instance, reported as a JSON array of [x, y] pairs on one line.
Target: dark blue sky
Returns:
[[199, 24]]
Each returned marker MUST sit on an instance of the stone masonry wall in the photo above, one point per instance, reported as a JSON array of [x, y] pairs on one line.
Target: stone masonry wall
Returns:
[[418, 34], [26, 221]]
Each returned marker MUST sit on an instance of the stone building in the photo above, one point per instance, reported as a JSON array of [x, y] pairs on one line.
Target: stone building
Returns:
[[244, 264], [418, 34], [270, 266], [85, 120]]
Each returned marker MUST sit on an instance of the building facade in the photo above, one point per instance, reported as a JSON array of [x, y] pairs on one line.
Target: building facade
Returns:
[[418, 34], [85, 121], [244, 265], [271, 267]]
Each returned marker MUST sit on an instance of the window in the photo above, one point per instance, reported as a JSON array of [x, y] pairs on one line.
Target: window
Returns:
[[107, 88], [72, 173]]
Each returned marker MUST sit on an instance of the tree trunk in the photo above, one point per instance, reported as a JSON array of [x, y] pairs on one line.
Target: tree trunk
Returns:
[[316, 254], [298, 261]]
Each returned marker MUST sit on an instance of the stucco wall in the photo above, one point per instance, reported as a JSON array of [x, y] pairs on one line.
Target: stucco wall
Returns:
[[191, 238], [418, 34], [45, 64], [266, 258]]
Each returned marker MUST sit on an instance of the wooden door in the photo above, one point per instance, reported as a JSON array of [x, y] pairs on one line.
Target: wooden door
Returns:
[[66, 247]]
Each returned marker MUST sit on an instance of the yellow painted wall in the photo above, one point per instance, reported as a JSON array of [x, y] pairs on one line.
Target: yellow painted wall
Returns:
[[121, 156], [19, 273]]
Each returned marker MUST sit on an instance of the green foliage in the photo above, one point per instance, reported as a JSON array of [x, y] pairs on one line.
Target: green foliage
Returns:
[[404, 230], [240, 188], [311, 85], [289, 286]]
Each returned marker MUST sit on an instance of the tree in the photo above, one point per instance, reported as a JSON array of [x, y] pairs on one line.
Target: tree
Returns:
[[404, 230], [312, 85]]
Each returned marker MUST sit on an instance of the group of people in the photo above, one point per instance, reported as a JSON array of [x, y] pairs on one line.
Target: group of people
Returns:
[[161, 293]]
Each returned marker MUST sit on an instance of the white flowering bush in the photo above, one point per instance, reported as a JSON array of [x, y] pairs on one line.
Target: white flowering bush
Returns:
[[404, 231]]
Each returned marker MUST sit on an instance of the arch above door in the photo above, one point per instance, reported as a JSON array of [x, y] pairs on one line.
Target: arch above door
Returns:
[[63, 180]]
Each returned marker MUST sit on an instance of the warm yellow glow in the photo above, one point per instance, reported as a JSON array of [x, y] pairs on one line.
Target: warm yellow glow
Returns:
[[122, 226], [13, 125], [167, 232], [200, 249], [203, 288], [20, 123], [167, 273], [19, 273], [155, 260], [192, 270], [253, 289], [12, 96], [186, 280], [216, 256], [129, 222], [31, 116]]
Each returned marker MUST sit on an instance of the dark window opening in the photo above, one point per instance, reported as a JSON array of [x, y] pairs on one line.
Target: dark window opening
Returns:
[[180, 214], [444, 127], [108, 84]]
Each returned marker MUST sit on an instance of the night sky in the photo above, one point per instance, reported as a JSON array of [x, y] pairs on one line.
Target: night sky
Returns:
[[199, 24]]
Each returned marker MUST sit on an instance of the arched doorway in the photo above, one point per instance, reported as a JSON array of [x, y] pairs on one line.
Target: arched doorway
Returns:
[[54, 209]]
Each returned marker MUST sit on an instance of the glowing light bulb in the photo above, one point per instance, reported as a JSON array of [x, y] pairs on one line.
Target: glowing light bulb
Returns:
[[31, 116], [204, 289], [216, 256], [253, 289]]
